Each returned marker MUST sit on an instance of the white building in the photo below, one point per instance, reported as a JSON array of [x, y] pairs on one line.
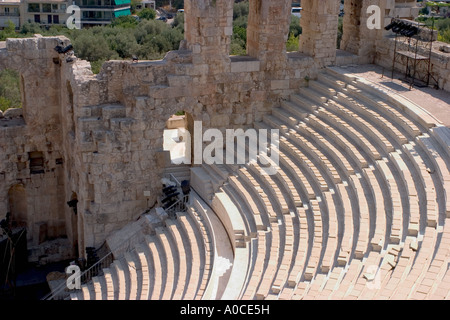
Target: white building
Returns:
[[9, 11]]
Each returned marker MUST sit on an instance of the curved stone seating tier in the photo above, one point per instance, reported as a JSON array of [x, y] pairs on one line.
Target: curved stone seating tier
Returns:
[[340, 125], [258, 267], [160, 267], [271, 262], [238, 191], [173, 263], [291, 142], [316, 132], [197, 256], [287, 256], [183, 258], [206, 242], [274, 189], [143, 267], [378, 239], [441, 164], [358, 209], [332, 247], [269, 213], [292, 166], [350, 153], [402, 121]]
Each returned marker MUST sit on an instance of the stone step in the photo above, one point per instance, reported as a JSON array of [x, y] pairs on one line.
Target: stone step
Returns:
[[294, 109]]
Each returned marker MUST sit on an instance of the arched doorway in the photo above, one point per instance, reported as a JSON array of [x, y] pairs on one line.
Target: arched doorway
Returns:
[[178, 137], [17, 199], [73, 205]]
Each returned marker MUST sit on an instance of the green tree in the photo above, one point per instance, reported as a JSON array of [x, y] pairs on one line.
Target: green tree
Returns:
[[134, 4], [147, 13], [294, 26], [9, 90], [240, 9], [178, 22], [340, 32], [30, 28], [292, 43], [444, 36], [124, 22], [124, 43], [93, 47], [9, 31]]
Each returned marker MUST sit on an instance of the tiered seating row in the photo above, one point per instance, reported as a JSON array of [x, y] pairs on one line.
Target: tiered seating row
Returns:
[[172, 264]]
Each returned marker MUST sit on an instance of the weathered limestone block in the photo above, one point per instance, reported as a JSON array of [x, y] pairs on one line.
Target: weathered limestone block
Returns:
[[13, 113]]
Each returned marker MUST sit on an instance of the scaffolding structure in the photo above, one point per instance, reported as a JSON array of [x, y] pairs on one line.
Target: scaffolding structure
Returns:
[[413, 43]]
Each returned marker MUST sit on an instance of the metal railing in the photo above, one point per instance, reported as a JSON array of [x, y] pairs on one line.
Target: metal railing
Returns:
[[172, 178], [104, 7], [179, 206], [10, 14], [95, 270]]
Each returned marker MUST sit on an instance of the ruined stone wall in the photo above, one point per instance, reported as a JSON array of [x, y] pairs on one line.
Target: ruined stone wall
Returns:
[[31, 149], [120, 116]]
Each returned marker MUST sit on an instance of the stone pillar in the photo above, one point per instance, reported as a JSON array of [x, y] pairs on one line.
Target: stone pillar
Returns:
[[268, 28], [352, 26], [208, 30], [320, 24], [358, 37]]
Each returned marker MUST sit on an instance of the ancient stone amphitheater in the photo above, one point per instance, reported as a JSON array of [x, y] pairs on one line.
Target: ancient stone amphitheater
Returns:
[[358, 208], [361, 195]]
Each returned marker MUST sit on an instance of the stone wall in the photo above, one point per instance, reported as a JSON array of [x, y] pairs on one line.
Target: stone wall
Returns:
[[31, 148]]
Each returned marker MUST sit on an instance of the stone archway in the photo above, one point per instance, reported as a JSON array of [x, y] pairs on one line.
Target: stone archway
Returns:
[[18, 207]]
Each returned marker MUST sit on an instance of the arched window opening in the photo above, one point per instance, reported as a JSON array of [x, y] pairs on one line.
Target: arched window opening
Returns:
[[36, 162], [10, 91], [17, 199], [295, 30], [240, 25], [177, 138]]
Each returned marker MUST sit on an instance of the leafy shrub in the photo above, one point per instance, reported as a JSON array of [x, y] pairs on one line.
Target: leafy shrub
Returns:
[[292, 43], [9, 90], [147, 13]]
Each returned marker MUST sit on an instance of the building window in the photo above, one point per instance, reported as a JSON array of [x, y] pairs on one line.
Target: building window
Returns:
[[37, 18], [6, 11], [33, 7], [49, 19], [54, 7], [46, 7], [56, 19], [63, 7]]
